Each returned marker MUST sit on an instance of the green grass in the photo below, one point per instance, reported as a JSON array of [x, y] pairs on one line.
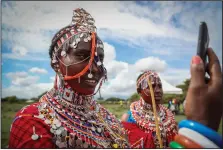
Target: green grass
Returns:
[[7, 115], [9, 111]]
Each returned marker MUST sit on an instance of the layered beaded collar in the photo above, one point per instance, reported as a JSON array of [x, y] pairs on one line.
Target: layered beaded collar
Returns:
[[77, 121], [143, 115]]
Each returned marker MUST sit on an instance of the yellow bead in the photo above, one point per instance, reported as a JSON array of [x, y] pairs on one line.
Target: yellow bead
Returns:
[[115, 145]]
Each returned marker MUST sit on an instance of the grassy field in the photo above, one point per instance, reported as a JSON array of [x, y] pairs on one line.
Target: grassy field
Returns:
[[9, 111]]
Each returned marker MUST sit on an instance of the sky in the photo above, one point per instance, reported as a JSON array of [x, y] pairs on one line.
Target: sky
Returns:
[[157, 35]]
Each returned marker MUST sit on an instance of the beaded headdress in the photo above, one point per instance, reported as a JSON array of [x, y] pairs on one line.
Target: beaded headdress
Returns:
[[151, 75], [81, 28]]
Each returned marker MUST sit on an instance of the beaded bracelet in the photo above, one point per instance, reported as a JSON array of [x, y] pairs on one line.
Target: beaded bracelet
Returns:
[[197, 137], [205, 131], [186, 142]]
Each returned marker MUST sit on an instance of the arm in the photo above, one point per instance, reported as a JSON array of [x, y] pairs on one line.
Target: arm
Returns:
[[22, 130], [125, 117], [203, 105]]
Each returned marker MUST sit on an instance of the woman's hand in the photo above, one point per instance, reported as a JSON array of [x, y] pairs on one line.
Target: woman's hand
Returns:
[[204, 100]]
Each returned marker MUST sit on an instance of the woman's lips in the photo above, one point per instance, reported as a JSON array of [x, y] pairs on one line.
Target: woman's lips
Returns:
[[91, 82]]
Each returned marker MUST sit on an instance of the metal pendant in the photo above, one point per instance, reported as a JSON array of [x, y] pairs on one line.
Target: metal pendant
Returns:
[[58, 124], [63, 53], [64, 133], [90, 75], [85, 145], [99, 63], [52, 130], [35, 137], [85, 40], [58, 132], [62, 144], [78, 142], [54, 61], [47, 121], [93, 128], [41, 116], [78, 40], [82, 34], [54, 126], [72, 142], [99, 130]]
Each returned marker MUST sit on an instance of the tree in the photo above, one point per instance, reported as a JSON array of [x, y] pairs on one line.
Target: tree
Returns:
[[11, 99], [184, 88], [41, 95], [134, 97]]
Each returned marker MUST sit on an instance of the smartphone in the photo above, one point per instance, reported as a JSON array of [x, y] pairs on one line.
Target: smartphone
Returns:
[[203, 42]]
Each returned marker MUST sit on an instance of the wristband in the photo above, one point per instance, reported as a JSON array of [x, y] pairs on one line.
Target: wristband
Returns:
[[175, 145], [205, 131], [186, 142], [197, 137]]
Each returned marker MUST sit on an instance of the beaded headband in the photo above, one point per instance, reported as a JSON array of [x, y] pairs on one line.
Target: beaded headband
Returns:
[[152, 75]]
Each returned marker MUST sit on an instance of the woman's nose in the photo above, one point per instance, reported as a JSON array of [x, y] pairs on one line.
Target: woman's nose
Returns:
[[94, 67]]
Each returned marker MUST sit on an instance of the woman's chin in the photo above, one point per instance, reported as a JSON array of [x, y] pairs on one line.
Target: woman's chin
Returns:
[[85, 91]]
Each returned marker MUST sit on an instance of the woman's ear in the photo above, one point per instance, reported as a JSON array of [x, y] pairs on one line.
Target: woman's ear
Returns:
[[138, 90]]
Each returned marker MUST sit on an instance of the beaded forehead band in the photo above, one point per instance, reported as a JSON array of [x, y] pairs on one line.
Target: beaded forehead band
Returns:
[[82, 28], [148, 75]]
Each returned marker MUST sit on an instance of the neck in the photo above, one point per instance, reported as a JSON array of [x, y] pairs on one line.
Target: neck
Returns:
[[148, 106], [63, 92]]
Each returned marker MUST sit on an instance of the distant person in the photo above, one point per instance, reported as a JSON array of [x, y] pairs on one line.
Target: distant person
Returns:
[[140, 120], [169, 103], [121, 103]]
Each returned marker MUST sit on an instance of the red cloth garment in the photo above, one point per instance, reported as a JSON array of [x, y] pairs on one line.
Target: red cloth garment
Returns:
[[22, 130], [137, 137]]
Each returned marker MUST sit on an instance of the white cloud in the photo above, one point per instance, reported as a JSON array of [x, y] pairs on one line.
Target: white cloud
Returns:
[[162, 52], [27, 57], [52, 78], [115, 67], [21, 78], [19, 50], [38, 70], [109, 52], [176, 76], [27, 91], [151, 63], [123, 84]]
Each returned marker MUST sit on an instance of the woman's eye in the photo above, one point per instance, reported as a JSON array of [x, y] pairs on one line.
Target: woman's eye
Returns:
[[82, 56]]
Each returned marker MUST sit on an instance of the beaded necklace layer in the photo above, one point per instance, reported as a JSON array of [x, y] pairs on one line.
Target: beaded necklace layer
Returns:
[[77, 121], [144, 117]]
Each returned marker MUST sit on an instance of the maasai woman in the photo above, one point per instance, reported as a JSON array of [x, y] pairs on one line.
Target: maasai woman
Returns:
[[140, 120], [67, 116]]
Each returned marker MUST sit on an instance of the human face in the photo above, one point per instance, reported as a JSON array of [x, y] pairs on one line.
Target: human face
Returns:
[[157, 88], [79, 58]]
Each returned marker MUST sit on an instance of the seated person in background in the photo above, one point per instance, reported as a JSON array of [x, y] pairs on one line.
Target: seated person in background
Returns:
[[140, 121]]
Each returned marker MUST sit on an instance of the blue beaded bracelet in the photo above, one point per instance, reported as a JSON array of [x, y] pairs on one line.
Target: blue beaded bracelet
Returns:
[[205, 131]]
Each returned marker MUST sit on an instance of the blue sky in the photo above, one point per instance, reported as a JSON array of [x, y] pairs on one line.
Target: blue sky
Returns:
[[159, 35]]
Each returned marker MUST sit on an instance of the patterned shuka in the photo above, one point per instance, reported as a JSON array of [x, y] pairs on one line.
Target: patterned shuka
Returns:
[[141, 125], [63, 118]]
